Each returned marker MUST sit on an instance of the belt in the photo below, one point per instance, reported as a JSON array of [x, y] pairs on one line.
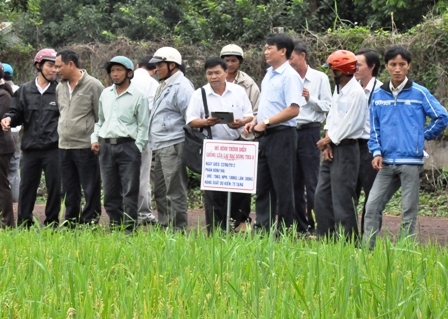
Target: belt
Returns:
[[308, 125], [362, 141], [347, 141], [271, 130], [118, 140]]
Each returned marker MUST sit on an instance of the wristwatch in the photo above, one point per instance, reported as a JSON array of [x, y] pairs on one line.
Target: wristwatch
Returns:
[[266, 122]]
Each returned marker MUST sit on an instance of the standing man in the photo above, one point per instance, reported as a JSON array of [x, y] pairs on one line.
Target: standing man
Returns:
[[233, 55], [335, 194], [14, 174], [367, 69], [317, 93], [275, 124], [398, 114], [78, 95], [122, 129], [34, 106], [143, 79], [221, 96]]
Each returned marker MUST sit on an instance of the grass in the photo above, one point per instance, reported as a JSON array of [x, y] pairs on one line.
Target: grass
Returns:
[[158, 274]]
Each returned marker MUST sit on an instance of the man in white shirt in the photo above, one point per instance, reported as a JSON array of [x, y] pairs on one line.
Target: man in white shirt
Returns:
[[335, 194], [317, 93], [143, 79], [368, 66], [225, 97]]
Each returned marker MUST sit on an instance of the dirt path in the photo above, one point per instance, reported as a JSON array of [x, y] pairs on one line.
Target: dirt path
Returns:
[[428, 228]]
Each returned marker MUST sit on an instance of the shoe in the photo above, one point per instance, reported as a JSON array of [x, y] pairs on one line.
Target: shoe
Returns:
[[147, 219]]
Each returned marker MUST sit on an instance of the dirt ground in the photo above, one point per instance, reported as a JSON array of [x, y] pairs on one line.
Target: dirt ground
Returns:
[[428, 228]]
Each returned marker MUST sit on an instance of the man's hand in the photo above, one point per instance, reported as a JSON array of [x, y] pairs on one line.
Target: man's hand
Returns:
[[6, 123], [95, 148], [249, 127], [377, 163], [260, 127], [306, 94], [322, 143], [236, 124], [212, 121], [328, 153]]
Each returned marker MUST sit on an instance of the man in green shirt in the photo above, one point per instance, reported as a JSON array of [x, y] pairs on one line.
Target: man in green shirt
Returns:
[[120, 135]]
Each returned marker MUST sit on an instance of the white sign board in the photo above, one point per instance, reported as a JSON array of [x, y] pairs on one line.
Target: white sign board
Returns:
[[229, 166]]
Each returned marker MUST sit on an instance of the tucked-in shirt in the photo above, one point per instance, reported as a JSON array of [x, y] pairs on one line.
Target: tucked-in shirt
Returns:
[[372, 85], [42, 90], [234, 99], [124, 115], [147, 84], [347, 115], [397, 90], [319, 103], [280, 89]]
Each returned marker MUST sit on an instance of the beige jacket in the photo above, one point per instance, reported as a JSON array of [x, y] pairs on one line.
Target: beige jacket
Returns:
[[251, 88], [78, 114]]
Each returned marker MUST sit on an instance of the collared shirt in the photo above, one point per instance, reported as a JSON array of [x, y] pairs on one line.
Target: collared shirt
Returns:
[[42, 90], [165, 83], [70, 88], [373, 84], [397, 90], [319, 103], [124, 115], [280, 89], [347, 115], [234, 99], [146, 83]]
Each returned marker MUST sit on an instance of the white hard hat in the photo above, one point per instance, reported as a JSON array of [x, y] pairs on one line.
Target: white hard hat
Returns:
[[167, 54], [232, 49]]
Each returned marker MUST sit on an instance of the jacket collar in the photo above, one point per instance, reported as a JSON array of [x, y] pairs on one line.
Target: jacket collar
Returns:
[[386, 86]]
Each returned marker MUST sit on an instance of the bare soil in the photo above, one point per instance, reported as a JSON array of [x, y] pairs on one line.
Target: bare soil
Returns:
[[429, 229]]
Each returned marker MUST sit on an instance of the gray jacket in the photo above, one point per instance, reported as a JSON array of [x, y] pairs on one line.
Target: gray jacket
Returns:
[[167, 118]]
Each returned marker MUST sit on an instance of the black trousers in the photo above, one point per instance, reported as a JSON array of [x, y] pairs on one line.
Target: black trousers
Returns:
[[366, 176], [120, 173], [335, 198], [80, 169], [6, 210], [307, 174], [275, 179], [31, 166]]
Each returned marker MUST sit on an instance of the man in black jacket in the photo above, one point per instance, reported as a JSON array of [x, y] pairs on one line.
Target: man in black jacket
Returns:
[[35, 107]]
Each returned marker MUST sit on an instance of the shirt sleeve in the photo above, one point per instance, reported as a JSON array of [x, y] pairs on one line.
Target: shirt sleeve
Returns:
[[195, 108], [142, 123], [97, 127], [322, 102], [375, 131], [292, 88], [437, 113]]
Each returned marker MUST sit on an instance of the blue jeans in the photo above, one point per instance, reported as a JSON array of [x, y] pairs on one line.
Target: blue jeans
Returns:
[[387, 182]]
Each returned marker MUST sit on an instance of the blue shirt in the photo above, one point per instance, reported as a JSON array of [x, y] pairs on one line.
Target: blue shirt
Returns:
[[280, 88]]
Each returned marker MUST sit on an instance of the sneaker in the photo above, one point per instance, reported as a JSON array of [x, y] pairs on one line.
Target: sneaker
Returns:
[[147, 219]]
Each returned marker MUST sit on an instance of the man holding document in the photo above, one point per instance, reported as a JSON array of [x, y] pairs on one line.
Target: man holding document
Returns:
[[226, 102]]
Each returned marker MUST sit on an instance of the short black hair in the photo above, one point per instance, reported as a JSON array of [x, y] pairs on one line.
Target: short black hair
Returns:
[[300, 47], [144, 63], [69, 55], [397, 50], [281, 41], [212, 62], [372, 59], [7, 76]]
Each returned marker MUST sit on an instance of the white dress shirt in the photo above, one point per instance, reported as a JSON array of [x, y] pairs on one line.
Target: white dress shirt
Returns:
[[319, 103], [234, 99], [398, 89], [347, 115], [373, 84], [145, 83]]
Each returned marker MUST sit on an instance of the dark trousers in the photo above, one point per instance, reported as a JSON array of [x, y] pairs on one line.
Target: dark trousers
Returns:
[[366, 176], [240, 209], [80, 168], [275, 178], [335, 198], [307, 174], [6, 210], [120, 173], [31, 166]]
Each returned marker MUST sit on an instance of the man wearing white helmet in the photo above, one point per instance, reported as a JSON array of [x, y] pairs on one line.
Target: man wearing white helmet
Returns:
[[119, 137], [34, 106], [167, 138], [234, 57]]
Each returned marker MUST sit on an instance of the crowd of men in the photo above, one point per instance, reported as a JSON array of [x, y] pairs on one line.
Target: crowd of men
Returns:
[[130, 135]]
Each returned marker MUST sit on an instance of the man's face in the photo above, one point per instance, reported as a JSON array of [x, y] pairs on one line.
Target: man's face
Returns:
[[63, 69], [49, 70], [118, 73], [272, 54], [363, 71], [233, 64], [297, 60], [216, 76], [162, 69], [398, 69]]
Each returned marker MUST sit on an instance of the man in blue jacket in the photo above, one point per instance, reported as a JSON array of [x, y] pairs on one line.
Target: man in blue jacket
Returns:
[[398, 132]]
